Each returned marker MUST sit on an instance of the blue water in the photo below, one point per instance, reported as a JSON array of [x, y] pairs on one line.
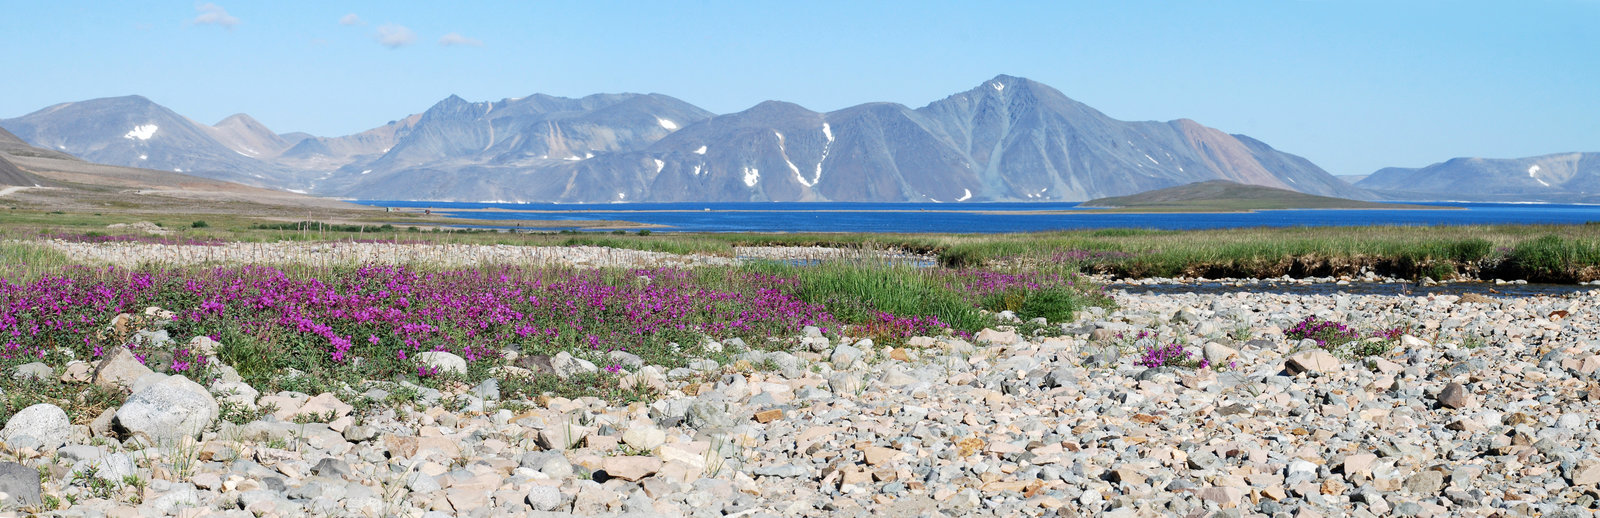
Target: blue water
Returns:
[[923, 217]]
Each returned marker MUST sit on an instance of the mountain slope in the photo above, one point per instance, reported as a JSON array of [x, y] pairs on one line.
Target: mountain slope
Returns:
[[11, 176], [133, 131], [1562, 177]]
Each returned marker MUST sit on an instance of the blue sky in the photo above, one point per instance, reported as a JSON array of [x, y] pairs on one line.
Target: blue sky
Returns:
[[1351, 85]]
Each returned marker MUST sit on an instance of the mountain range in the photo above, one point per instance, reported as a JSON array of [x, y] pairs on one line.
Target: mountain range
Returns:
[[1562, 177], [1006, 139]]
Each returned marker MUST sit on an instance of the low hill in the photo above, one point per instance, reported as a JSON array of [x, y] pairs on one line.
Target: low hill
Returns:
[[1226, 196], [11, 176]]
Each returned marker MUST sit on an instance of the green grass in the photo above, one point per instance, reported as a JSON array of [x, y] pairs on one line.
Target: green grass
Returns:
[[25, 261], [857, 292]]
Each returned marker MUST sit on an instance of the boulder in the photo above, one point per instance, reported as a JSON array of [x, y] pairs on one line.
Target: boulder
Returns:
[[167, 411], [21, 483], [120, 369], [44, 422], [566, 365], [443, 361]]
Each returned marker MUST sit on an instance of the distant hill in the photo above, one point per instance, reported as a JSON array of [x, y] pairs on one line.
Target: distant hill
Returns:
[[1225, 196], [1562, 177], [1351, 179]]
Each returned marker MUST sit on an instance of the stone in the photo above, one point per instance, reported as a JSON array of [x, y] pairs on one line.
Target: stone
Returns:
[[360, 433], [880, 456], [21, 483], [1224, 496], [323, 405], [167, 411], [545, 498], [563, 436], [632, 468], [1427, 483], [566, 365], [78, 371], [35, 371], [331, 467], [1454, 396], [489, 389], [1218, 355], [44, 422], [767, 416], [411, 447], [1311, 360], [996, 337], [845, 356], [644, 438], [443, 361], [238, 393], [1359, 464], [551, 463], [120, 369], [1584, 473]]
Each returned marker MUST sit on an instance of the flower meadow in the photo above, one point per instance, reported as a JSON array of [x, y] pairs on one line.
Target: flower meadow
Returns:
[[374, 319]]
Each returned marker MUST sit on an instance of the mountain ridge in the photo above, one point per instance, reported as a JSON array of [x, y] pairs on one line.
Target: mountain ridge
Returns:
[[1006, 139], [1557, 177]]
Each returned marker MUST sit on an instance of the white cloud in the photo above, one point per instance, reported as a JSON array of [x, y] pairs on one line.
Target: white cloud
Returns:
[[457, 39], [351, 19], [395, 36], [213, 14]]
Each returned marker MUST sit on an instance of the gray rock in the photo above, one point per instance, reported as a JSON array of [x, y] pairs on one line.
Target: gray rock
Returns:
[[238, 393], [845, 356], [422, 483], [120, 369], [175, 499], [22, 483], [566, 365], [166, 411], [626, 359], [545, 498], [360, 433], [46, 423], [1426, 483], [35, 370], [110, 468], [443, 361], [709, 415], [331, 467], [551, 463], [1454, 396], [488, 389], [79, 452]]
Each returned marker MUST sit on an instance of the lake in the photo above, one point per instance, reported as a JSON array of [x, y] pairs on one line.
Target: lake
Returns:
[[984, 217]]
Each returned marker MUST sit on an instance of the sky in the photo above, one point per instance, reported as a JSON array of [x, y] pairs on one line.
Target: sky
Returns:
[[1352, 85]]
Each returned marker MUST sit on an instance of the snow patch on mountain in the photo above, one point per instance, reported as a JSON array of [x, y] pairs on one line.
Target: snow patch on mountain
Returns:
[[141, 132]]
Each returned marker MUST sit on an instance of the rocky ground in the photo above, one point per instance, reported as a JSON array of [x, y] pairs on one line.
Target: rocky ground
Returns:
[[1486, 408]]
